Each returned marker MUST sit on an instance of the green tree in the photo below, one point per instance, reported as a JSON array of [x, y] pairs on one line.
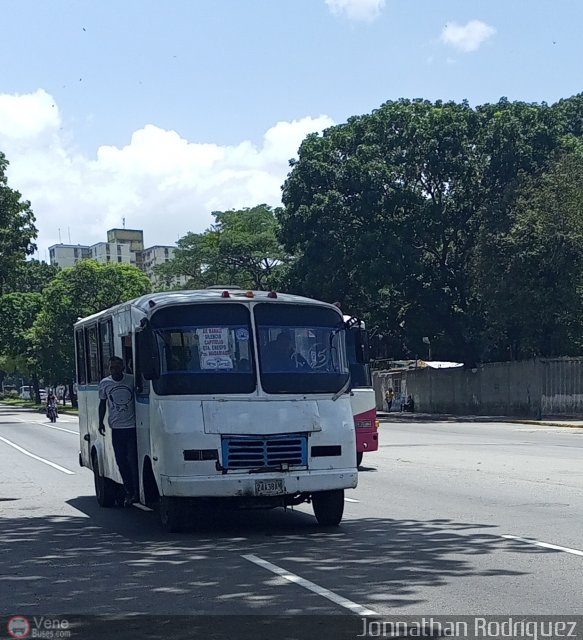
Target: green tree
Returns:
[[18, 312], [17, 230], [241, 248], [385, 213], [76, 292], [32, 276], [531, 277]]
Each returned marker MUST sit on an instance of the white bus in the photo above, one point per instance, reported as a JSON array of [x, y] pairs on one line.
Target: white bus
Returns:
[[217, 416]]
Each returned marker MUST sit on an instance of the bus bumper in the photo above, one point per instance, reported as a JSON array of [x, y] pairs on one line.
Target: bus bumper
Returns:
[[367, 441], [254, 485]]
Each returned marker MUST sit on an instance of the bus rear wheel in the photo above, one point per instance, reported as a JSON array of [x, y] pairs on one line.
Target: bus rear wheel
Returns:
[[359, 455], [105, 489], [328, 507], [170, 514]]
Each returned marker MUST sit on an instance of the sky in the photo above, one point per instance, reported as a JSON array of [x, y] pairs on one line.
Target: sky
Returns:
[[161, 113]]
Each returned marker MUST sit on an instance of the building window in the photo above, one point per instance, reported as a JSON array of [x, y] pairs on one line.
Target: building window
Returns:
[[119, 258]]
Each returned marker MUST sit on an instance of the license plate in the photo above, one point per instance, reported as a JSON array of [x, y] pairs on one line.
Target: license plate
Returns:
[[268, 487]]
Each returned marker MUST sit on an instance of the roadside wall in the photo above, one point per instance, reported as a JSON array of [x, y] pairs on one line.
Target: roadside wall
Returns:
[[533, 388]]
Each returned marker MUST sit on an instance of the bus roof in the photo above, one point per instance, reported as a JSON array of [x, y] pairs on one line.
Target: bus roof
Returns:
[[150, 301]]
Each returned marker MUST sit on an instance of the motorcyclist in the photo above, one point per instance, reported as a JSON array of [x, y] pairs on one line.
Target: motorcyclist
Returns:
[[52, 407]]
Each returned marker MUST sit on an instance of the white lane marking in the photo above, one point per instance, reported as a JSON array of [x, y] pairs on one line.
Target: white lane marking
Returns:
[[546, 545], [50, 426], [32, 455], [143, 507], [350, 500], [321, 591]]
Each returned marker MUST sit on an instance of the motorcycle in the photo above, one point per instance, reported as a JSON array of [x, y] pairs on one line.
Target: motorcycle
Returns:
[[52, 412]]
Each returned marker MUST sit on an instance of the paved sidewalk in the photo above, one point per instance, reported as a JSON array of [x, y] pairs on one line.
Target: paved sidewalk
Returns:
[[402, 416]]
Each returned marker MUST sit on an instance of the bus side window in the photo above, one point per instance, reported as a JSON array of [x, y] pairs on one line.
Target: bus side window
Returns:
[[81, 357], [106, 345], [128, 356], [92, 352]]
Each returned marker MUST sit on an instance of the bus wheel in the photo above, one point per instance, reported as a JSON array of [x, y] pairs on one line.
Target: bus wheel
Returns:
[[328, 507], [170, 514], [105, 489], [359, 455]]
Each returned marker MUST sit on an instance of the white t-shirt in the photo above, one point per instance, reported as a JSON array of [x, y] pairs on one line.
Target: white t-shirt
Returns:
[[120, 401]]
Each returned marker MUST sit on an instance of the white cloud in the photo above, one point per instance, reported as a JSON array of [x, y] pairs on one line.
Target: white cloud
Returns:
[[365, 10], [467, 37], [158, 182]]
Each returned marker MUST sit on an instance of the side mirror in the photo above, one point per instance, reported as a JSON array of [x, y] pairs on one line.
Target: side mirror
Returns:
[[147, 353], [361, 346]]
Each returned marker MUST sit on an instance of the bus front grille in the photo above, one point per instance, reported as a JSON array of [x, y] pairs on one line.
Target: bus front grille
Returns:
[[254, 452]]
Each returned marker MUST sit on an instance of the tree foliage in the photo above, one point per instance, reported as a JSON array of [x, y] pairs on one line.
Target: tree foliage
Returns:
[[241, 248], [77, 292], [18, 312], [31, 276], [388, 213], [531, 278], [17, 230]]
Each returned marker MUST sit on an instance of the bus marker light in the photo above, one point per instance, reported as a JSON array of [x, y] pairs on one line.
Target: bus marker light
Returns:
[[225, 294], [272, 294]]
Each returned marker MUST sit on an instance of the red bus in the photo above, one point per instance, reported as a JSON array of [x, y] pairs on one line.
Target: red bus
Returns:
[[362, 398]]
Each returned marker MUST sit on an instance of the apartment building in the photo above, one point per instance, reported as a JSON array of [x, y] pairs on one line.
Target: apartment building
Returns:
[[122, 246], [68, 255]]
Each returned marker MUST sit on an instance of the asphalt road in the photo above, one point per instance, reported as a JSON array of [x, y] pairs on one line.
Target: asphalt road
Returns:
[[448, 519]]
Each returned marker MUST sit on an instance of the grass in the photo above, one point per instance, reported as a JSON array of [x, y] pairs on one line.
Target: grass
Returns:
[[29, 404]]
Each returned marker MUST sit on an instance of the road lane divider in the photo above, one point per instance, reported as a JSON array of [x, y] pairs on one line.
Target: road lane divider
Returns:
[[546, 545], [311, 586], [350, 500], [32, 455], [50, 426]]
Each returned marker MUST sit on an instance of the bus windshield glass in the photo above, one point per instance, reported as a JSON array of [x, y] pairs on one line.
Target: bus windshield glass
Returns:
[[360, 377], [204, 349], [301, 349]]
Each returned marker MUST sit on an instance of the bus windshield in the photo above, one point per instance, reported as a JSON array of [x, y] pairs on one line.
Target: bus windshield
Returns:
[[360, 377], [204, 349], [301, 349]]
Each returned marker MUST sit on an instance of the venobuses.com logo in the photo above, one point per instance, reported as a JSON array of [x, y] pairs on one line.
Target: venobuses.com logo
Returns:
[[39, 628], [18, 627]]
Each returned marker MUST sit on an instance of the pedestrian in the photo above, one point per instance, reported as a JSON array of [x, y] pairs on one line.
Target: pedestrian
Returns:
[[389, 397], [409, 404], [116, 395]]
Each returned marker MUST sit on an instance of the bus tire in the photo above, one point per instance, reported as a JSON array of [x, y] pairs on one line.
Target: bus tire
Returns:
[[328, 507], [105, 489], [359, 455], [170, 514]]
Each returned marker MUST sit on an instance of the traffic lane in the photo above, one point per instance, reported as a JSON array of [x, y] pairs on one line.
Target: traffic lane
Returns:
[[60, 445], [61, 552], [473, 511], [118, 561], [541, 456], [496, 431], [390, 588], [359, 562]]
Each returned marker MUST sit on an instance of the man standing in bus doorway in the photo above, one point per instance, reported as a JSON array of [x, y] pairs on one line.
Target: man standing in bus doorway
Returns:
[[116, 394]]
